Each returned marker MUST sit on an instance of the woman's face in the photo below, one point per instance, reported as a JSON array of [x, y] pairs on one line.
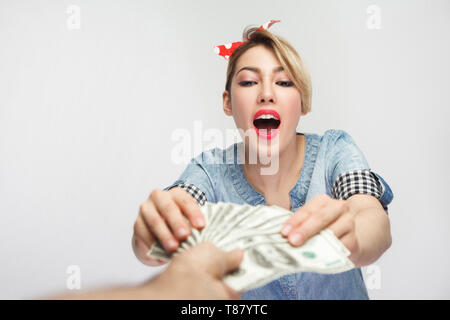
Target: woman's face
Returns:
[[259, 87]]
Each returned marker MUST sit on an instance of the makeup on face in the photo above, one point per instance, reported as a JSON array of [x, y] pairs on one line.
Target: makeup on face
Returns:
[[266, 123], [263, 92]]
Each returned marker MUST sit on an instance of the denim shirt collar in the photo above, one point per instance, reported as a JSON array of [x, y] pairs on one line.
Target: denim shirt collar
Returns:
[[297, 194]]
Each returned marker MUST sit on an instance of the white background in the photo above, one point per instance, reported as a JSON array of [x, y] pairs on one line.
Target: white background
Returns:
[[86, 117]]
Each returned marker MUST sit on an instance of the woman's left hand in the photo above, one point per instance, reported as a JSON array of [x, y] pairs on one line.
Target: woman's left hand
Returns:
[[319, 213]]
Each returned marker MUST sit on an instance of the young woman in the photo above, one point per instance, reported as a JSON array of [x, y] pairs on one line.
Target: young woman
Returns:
[[324, 180]]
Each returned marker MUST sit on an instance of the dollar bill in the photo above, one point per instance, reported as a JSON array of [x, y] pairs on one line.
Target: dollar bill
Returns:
[[267, 254]]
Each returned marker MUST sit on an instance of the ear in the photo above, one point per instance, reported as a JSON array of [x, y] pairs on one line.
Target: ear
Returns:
[[226, 103]]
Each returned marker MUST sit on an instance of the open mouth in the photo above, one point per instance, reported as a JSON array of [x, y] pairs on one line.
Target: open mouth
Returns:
[[266, 123]]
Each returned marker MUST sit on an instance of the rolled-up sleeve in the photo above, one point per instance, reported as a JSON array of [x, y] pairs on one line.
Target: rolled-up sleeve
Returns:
[[349, 173], [196, 181]]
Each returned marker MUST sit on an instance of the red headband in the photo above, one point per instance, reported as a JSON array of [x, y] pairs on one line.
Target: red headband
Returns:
[[225, 50]]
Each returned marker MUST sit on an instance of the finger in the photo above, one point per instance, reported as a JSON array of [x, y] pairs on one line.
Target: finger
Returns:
[[343, 225], [316, 222], [142, 232], [141, 250], [169, 209], [222, 263], [350, 242], [232, 294], [303, 213], [158, 227], [296, 220], [233, 260], [189, 207], [215, 261]]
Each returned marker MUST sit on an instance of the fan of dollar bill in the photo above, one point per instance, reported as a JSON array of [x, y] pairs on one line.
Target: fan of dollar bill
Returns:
[[267, 254]]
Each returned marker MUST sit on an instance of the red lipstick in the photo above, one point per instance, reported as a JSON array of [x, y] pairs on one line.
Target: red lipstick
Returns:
[[267, 133], [266, 111]]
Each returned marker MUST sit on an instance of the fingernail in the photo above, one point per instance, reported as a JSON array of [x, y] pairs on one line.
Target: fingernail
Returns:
[[199, 221], [171, 244], [295, 239], [286, 229], [181, 232]]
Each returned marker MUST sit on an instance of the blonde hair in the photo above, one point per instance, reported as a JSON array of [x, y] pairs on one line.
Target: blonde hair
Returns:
[[285, 53]]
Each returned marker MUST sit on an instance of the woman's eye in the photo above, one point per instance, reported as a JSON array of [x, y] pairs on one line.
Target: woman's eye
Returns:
[[281, 83], [285, 83], [246, 83]]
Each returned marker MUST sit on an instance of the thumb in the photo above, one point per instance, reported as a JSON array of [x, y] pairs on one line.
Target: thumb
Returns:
[[213, 260], [232, 260]]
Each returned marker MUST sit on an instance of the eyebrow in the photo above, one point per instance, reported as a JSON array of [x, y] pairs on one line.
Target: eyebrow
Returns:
[[257, 70]]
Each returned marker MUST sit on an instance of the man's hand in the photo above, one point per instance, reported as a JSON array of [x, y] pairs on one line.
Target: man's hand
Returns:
[[193, 274], [197, 274]]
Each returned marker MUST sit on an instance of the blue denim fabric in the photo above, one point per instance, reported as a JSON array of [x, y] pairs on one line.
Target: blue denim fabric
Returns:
[[219, 174]]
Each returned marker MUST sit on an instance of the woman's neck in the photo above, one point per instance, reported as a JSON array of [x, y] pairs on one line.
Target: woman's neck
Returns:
[[290, 163]]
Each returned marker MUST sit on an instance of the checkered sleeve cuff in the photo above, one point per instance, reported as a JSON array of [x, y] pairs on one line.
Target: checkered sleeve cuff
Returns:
[[357, 181], [195, 192]]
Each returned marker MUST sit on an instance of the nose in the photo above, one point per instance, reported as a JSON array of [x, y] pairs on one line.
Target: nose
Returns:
[[266, 95]]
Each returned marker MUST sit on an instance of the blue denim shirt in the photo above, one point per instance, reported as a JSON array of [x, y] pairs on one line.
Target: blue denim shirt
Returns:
[[219, 174]]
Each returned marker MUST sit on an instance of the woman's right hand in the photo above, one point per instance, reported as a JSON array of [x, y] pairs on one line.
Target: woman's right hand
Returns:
[[161, 217]]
